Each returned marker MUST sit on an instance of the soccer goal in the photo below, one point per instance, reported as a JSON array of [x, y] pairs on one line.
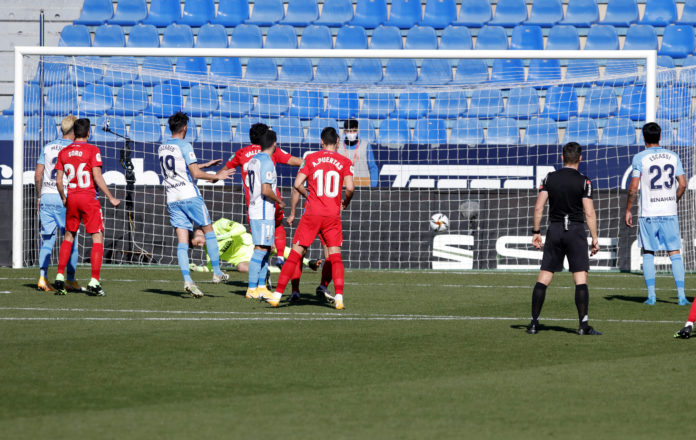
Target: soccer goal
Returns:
[[468, 134]]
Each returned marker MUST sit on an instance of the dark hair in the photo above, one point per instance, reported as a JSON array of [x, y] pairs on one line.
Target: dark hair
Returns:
[[651, 133], [268, 139], [81, 128], [329, 136], [177, 122], [350, 124], [256, 132], [571, 153]]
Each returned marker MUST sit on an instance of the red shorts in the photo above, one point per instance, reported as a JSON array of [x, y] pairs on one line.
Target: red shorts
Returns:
[[330, 230], [85, 209]]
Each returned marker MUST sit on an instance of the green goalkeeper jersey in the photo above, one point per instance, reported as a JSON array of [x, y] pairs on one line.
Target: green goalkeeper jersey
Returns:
[[235, 243]]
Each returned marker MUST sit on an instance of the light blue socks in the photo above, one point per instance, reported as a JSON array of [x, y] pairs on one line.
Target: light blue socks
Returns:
[[255, 267], [678, 274], [649, 275], [213, 251], [182, 256], [48, 241]]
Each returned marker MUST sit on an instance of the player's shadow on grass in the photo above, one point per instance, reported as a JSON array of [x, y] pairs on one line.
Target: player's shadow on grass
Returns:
[[181, 295], [639, 299], [544, 327]]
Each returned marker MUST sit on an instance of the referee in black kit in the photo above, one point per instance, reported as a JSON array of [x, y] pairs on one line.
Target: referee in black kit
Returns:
[[569, 194]]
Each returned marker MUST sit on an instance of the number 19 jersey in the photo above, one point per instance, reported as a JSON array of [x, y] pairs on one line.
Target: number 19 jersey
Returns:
[[658, 169], [175, 155], [325, 171], [76, 161]]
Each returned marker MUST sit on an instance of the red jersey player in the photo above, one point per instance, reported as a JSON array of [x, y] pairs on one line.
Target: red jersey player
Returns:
[[81, 164], [326, 172]]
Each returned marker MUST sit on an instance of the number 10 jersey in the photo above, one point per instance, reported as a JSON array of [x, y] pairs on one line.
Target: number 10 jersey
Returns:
[[175, 155], [325, 171], [658, 170]]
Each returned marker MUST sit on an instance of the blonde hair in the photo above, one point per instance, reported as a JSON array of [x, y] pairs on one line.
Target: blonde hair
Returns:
[[66, 125]]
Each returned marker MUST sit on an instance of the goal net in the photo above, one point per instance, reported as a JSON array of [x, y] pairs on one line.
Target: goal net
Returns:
[[474, 149]]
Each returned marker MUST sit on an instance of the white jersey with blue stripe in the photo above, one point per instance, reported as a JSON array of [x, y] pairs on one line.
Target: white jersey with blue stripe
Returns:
[[658, 170], [48, 158], [261, 170], [175, 155]]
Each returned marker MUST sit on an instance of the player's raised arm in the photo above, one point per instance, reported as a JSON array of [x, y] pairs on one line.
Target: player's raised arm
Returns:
[[101, 184], [538, 214], [198, 173], [210, 163]]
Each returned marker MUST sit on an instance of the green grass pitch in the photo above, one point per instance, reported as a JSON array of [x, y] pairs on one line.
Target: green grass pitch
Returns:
[[415, 355]]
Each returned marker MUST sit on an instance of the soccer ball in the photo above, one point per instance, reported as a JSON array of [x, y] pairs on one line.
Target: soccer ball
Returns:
[[439, 222]]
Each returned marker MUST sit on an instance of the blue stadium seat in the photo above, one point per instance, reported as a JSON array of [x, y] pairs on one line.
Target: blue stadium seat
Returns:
[[543, 71], [541, 131], [32, 130], [306, 104], [316, 125], [370, 13], [109, 35], [202, 101], [563, 37], [502, 131], [618, 132], [261, 69], [674, 103], [522, 103], [95, 12], [266, 12], [129, 12], [619, 73], [241, 133], [216, 129], [581, 13], [145, 128], [281, 36], [640, 36], [491, 38], [621, 13], [449, 105], [467, 131], [296, 70], [271, 103], [474, 13], [115, 124], [317, 37], [336, 13], [386, 37], [685, 133], [666, 72], [341, 105], [405, 14], [507, 70], [439, 13], [366, 130], [351, 37], [97, 99], [485, 104], [561, 103], [331, 70], [61, 100], [600, 102], [377, 105], [166, 100], [177, 35], [231, 13], [400, 71], [456, 38], [633, 103], [191, 132], [236, 102], [581, 130], [509, 13], [435, 71], [430, 131], [247, 36], [55, 72], [659, 12], [546, 13], [677, 41], [394, 131], [471, 72], [687, 76], [76, 35], [90, 72], [190, 66], [413, 105], [365, 71], [32, 95], [289, 130], [163, 13], [688, 13], [301, 13], [153, 67], [131, 99], [421, 37], [582, 69], [666, 136], [197, 13], [602, 37], [212, 35], [527, 37], [143, 35]]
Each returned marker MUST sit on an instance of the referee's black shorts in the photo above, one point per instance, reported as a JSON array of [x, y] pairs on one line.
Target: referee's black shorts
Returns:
[[571, 243]]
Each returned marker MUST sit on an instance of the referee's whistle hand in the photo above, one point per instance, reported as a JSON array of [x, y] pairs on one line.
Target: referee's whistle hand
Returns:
[[595, 247], [629, 219], [536, 241]]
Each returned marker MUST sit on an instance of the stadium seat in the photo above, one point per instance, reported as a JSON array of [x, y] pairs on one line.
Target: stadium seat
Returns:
[[688, 13], [456, 38], [281, 36], [633, 103], [581, 13], [582, 70], [231, 13], [474, 13], [116, 124], [247, 36], [197, 12], [96, 100], [316, 125], [306, 104], [296, 70], [177, 35], [336, 13], [61, 100], [563, 37], [640, 36], [686, 129], [129, 12], [236, 102], [289, 130], [317, 37], [561, 103], [522, 103], [143, 35], [618, 73], [677, 41], [341, 105], [471, 72], [271, 103], [331, 70], [216, 129], [435, 71], [527, 37], [95, 12], [163, 13], [674, 103], [502, 131], [32, 130], [202, 101], [153, 67], [32, 95], [618, 132], [350, 37], [687, 75], [546, 13], [91, 71], [491, 38], [449, 105], [666, 71], [266, 12], [541, 131], [190, 66], [145, 128], [541, 72], [261, 69], [602, 37], [430, 131], [131, 99], [366, 130], [400, 71], [421, 37], [365, 71], [485, 104], [386, 37], [212, 35], [405, 14], [666, 136], [412, 105], [507, 70], [659, 12], [439, 13], [467, 131], [241, 134], [377, 105], [75, 35], [109, 35], [301, 13], [394, 132], [621, 13], [600, 102], [166, 100], [581, 130], [509, 13], [370, 13], [55, 72]]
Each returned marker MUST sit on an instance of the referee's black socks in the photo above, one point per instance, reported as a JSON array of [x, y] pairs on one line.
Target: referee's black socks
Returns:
[[582, 302], [538, 296]]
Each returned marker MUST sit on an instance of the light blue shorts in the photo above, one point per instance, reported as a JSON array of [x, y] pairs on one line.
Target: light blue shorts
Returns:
[[52, 214], [262, 232], [186, 213], [659, 233]]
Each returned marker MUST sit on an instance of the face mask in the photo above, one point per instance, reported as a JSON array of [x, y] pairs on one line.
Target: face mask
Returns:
[[351, 137]]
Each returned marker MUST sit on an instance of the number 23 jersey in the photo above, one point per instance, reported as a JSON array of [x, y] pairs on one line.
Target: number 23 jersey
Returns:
[[658, 170], [175, 155], [325, 171], [76, 161]]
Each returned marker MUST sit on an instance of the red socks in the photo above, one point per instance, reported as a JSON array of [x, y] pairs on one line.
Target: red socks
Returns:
[[692, 312], [280, 240], [287, 271], [64, 255], [95, 258], [326, 273], [338, 272]]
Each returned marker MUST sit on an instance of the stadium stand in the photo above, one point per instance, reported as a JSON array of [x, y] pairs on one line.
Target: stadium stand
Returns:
[[350, 37], [618, 132], [197, 12], [211, 35], [365, 71], [421, 37], [561, 103], [33, 128], [633, 102], [301, 13], [543, 71], [248, 36], [271, 103], [341, 105], [503, 131], [281, 36], [6, 128], [109, 35], [527, 37], [581, 13], [75, 35], [370, 13], [430, 131], [581, 130], [61, 99], [296, 70], [131, 99], [188, 66], [386, 37], [231, 13], [129, 12], [491, 38], [289, 130], [305, 104], [485, 104], [541, 131], [449, 105], [316, 125], [545, 13], [600, 102], [97, 99], [677, 41], [177, 35], [163, 13], [241, 133], [467, 131], [621, 13], [456, 37], [166, 100], [413, 105], [400, 72], [236, 102], [640, 36], [509, 13], [336, 13], [225, 68], [266, 12], [95, 12], [508, 70], [563, 37], [394, 132], [659, 12], [143, 35], [471, 72], [216, 129], [688, 15], [31, 101], [522, 103], [377, 105], [145, 128], [474, 13], [318, 37], [602, 37], [439, 13], [261, 69], [405, 14], [202, 101], [115, 124], [331, 70]]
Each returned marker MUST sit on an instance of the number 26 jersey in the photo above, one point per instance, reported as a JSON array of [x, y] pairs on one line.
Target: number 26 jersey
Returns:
[[76, 161], [325, 171], [658, 170]]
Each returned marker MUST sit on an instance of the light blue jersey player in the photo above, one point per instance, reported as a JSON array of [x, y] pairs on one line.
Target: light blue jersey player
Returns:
[[660, 176], [51, 209], [262, 182], [179, 166]]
